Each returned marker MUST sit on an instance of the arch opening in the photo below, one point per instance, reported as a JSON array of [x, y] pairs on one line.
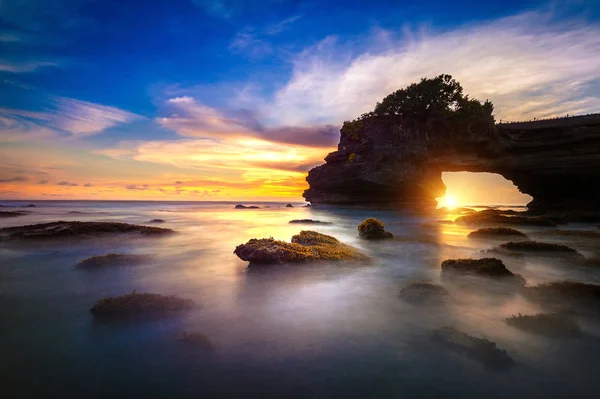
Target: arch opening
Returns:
[[480, 189]]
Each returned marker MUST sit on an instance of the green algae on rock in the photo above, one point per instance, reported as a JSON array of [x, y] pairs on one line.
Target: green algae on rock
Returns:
[[479, 349], [373, 229], [63, 229], [139, 305], [306, 246], [110, 260], [548, 324]]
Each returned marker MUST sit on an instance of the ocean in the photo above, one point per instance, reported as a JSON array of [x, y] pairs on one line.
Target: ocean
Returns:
[[329, 330]]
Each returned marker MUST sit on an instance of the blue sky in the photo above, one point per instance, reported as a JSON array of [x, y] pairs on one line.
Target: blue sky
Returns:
[[164, 87]]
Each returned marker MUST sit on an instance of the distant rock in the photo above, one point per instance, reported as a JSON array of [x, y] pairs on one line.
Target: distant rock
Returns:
[[493, 216], [139, 305], [373, 229], [156, 221], [569, 233], [307, 206], [240, 206], [306, 246], [485, 267], [308, 221], [111, 260], [10, 214], [422, 292], [195, 339], [289, 206], [29, 206], [570, 295], [71, 230], [559, 325], [496, 232], [479, 349]]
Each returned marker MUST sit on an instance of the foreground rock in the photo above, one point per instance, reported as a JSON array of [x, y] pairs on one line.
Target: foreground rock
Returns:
[[240, 206], [308, 221], [422, 292], [11, 214], [494, 217], [139, 305], [305, 247], [548, 324], [62, 229], [112, 260], [479, 349], [496, 232], [539, 248], [373, 229]]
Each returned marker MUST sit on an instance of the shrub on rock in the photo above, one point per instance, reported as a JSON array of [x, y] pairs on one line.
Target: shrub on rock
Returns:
[[373, 229]]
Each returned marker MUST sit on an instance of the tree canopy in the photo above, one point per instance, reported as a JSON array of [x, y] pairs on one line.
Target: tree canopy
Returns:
[[439, 105]]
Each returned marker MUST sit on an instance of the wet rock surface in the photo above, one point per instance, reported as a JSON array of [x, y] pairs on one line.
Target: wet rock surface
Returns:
[[479, 349], [306, 246], [64, 230]]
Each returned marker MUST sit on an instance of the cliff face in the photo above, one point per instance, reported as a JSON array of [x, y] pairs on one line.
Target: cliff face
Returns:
[[380, 161]]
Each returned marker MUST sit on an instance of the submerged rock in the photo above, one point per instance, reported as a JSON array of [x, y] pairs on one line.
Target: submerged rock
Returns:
[[29, 206], [373, 229], [549, 324], [62, 229], [565, 291], [156, 221], [488, 267], [305, 247], [308, 221], [196, 339], [240, 206], [11, 214], [538, 248], [289, 206], [110, 260], [496, 232], [479, 349], [570, 233], [423, 292], [139, 305]]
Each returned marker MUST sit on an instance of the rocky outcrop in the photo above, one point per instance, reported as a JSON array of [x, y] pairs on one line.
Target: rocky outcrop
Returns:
[[389, 161]]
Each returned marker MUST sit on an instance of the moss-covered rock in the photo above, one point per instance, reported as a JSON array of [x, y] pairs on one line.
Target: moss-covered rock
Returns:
[[139, 305], [307, 246], [496, 232], [479, 349], [62, 229], [308, 221], [536, 247], [423, 292], [111, 260], [549, 324], [373, 229]]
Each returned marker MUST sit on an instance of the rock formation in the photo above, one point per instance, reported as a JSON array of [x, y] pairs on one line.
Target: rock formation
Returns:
[[387, 161]]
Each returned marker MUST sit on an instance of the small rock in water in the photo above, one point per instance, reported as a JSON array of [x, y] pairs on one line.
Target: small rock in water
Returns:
[[536, 247], [240, 206], [479, 349], [156, 221], [99, 261], [308, 221], [196, 339], [29, 206], [423, 292], [373, 229], [549, 324], [11, 214], [495, 232], [139, 305], [289, 206]]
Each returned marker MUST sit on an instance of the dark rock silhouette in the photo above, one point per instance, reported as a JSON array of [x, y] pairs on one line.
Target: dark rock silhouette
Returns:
[[240, 206], [29, 206], [70, 230], [289, 206], [112, 260], [536, 247], [484, 267], [496, 232], [156, 221], [11, 214], [308, 221], [559, 325], [423, 292], [136, 305]]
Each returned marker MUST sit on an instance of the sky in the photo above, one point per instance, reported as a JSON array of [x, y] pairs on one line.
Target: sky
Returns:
[[238, 99]]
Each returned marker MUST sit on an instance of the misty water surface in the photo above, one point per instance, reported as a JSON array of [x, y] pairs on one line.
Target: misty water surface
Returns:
[[322, 330]]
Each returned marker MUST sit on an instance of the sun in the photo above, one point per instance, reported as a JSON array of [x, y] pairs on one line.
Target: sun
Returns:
[[449, 201]]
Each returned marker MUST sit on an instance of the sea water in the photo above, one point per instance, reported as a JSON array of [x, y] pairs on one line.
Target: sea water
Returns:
[[315, 330]]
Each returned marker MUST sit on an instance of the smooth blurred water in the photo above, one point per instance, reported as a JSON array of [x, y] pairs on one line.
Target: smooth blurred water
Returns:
[[322, 330]]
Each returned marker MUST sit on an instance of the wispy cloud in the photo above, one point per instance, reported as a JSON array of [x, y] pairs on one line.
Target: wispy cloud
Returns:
[[24, 66], [66, 183], [527, 65], [13, 179], [256, 42]]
